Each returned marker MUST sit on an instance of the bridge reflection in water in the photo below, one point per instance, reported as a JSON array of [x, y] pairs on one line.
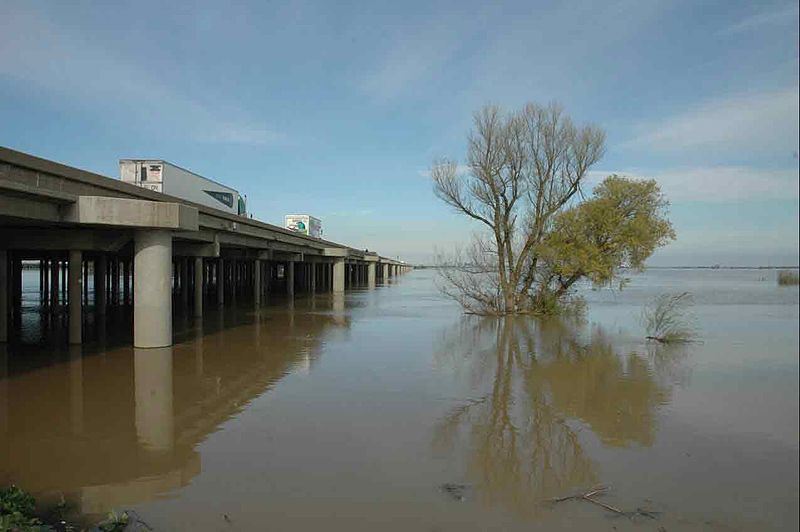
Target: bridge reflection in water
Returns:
[[104, 427]]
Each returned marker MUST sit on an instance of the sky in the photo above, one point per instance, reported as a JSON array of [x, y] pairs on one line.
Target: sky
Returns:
[[338, 109]]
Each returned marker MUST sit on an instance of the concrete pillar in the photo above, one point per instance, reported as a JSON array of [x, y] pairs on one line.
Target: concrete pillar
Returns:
[[63, 280], [74, 296], [41, 279], [54, 275], [338, 275], [100, 265], [152, 301], [198, 287], [5, 436], [234, 280], [290, 278], [184, 262], [155, 421], [371, 275], [312, 281], [220, 281], [46, 281], [126, 281], [85, 282], [257, 283], [3, 296]]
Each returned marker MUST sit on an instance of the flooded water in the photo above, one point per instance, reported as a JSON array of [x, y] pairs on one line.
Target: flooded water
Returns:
[[389, 410]]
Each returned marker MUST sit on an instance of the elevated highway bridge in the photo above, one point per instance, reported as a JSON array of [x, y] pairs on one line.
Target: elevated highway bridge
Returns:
[[99, 242]]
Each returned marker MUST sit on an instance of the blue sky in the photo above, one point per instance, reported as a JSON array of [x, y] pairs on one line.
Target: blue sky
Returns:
[[338, 108]]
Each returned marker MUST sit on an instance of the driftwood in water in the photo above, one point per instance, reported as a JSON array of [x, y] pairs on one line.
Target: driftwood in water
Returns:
[[601, 490]]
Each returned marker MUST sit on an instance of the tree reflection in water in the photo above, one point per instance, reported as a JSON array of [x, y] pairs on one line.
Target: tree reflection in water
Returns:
[[541, 386]]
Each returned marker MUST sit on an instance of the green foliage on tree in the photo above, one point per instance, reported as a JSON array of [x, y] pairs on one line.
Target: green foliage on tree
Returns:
[[619, 227]]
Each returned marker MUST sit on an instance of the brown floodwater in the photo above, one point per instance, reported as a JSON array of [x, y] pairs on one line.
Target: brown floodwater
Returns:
[[390, 410]]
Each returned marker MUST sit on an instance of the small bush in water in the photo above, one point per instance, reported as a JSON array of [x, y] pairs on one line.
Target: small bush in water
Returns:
[[787, 278], [667, 318]]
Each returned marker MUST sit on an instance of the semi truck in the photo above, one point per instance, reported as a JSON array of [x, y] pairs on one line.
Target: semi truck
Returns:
[[167, 178], [305, 224]]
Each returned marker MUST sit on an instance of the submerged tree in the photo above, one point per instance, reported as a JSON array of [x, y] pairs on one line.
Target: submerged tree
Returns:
[[540, 234]]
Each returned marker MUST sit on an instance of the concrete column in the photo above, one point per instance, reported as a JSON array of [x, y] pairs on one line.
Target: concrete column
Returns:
[[220, 281], [126, 281], [5, 436], [290, 278], [16, 292], [74, 296], [100, 265], [155, 421], [198, 287], [41, 279], [338, 275], [184, 262], [152, 301], [234, 280], [312, 281], [46, 281], [267, 277], [54, 275], [371, 275], [257, 283], [64, 271], [3, 296]]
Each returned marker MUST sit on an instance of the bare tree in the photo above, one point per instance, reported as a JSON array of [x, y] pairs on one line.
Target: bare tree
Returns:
[[523, 169]]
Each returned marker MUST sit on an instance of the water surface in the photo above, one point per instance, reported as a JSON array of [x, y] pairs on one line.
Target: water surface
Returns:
[[389, 410]]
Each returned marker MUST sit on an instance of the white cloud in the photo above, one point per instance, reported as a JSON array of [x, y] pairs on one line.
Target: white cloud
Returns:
[[38, 52], [751, 124], [785, 15], [718, 183]]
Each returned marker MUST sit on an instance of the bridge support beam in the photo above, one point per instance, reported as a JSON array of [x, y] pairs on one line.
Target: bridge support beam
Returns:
[[257, 283], [3, 296], [290, 278], [220, 277], [338, 275], [74, 296], [100, 265], [198, 287], [152, 300], [371, 275]]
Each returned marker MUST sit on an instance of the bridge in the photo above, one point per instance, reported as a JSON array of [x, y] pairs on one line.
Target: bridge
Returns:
[[151, 251]]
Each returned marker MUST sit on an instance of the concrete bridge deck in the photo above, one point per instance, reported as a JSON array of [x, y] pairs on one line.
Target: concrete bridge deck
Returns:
[[151, 250]]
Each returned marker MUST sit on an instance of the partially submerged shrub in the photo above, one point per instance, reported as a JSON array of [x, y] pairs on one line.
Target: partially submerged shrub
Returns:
[[17, 511], [667, 318], [114, 522], [788, 278]]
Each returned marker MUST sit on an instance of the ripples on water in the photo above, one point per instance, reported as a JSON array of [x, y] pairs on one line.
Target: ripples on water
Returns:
[[388, 409]]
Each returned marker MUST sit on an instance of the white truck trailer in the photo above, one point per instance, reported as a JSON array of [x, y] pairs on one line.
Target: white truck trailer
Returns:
[[303, 223], [167, 178]]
